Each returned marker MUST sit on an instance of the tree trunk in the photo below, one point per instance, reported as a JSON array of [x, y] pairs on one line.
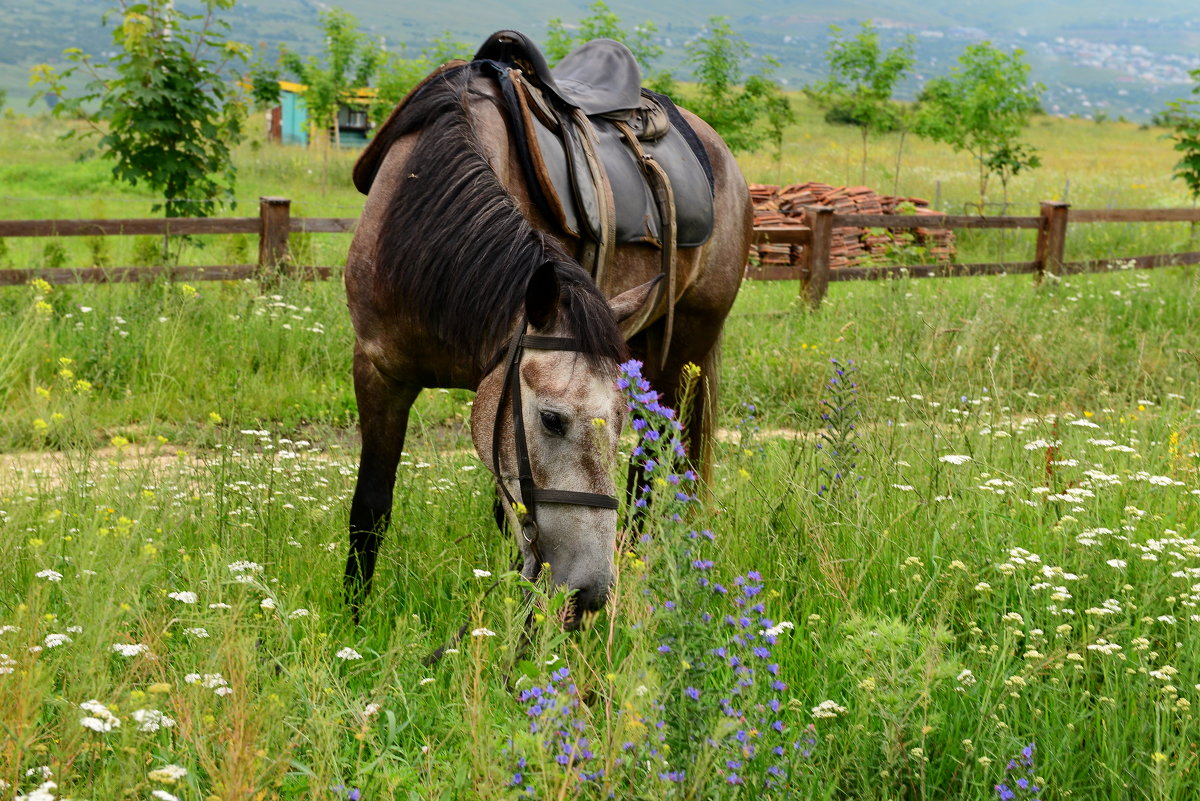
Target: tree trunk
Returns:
[[863, 178], [899, 155]]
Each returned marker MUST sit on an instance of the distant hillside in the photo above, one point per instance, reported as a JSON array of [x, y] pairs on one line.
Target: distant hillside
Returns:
[[1093, 55]]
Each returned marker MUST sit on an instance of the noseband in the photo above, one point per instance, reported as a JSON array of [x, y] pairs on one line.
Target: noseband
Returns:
[[525, 507]]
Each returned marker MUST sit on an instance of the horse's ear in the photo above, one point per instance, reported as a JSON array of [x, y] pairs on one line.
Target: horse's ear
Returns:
[[541, 296], [631, 301]]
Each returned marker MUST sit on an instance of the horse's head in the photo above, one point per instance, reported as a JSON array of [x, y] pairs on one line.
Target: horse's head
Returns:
[[554, 457]]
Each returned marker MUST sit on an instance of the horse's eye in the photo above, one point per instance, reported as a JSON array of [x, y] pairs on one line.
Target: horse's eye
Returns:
[[554, 423]]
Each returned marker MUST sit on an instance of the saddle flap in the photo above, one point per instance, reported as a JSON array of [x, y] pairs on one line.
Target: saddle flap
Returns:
[[601, 77]]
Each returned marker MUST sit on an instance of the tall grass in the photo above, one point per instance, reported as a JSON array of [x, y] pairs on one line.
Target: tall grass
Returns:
[[1017, 564]]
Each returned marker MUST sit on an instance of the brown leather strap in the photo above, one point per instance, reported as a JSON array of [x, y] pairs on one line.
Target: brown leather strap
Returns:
[[664, 197], [607, 240]]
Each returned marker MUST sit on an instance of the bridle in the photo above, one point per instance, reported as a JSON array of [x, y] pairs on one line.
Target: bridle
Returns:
[[531, 495]]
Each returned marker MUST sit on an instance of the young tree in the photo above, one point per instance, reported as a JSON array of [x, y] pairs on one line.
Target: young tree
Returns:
[[164, 108], [399, 74], [603, 23], [1185, 124], [349, 61], [733, 107], [862, 79], [982, 107], [1185, 133]]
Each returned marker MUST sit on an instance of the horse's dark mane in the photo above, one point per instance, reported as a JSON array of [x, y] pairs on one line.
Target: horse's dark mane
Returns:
[[455, 250]]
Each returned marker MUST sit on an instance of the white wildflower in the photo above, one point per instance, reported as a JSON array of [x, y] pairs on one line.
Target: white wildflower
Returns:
[[163, 795], [183, 596], [828, 709], [55, 640], [954, 458], [199, 632], [482, 632], [49, 575], [267, 603], [128, 649], [348, 653], [101, 719], [298, 613], [44, 792], [777, 629], [167, 774], [151, 720], [482, 573]]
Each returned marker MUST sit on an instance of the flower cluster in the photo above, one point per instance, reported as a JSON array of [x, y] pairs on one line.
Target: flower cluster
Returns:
[[556, 729], [1019, 780], [660, 446], [715, 640], [838, 431]]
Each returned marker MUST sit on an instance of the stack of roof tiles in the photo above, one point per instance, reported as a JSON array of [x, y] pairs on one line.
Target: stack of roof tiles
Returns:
[[784, 207]]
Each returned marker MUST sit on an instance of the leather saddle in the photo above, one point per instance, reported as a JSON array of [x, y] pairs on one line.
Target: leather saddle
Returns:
[[594, 97]]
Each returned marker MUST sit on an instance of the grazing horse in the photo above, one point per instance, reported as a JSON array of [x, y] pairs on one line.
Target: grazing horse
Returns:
[[455, 279]]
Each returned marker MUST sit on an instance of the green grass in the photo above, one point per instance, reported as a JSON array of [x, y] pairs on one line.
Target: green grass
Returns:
[[151, 436], [896, 584]]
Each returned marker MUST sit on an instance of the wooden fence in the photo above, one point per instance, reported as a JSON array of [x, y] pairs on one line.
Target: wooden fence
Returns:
[[1051, 226], [274, 223]]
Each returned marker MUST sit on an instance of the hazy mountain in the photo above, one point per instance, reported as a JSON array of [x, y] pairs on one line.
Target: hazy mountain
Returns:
[[1107, 56]]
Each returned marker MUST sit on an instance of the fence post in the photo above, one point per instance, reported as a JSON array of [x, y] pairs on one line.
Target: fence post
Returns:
[[814, 279], [1052, 238], [275, 214]]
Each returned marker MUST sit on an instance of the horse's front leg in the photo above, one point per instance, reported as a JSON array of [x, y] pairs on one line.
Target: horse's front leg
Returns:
[[383, 419]]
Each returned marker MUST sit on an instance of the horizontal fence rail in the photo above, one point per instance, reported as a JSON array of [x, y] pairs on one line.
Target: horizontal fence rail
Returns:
[[814, 234]]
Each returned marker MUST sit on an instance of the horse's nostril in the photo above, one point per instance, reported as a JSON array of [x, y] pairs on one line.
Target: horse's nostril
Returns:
[[591, 598]]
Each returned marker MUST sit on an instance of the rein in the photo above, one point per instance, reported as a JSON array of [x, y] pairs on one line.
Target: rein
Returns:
[[525, 507]]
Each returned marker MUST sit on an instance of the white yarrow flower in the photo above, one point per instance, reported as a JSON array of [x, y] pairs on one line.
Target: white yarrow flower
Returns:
[[151, 720], [828, 709], [167, 774], [44, 792], [348, 653], [482, 632], [777, 629], [267, 603], [183, 596], [482, 573], [49, 575], [101, 719], [55, 640], [130, 649], [954, 458]]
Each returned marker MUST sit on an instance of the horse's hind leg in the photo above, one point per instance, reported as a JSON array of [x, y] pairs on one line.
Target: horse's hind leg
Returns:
[[383, 417]]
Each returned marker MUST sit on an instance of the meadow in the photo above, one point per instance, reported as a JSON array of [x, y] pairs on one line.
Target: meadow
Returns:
[[949, 549]]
